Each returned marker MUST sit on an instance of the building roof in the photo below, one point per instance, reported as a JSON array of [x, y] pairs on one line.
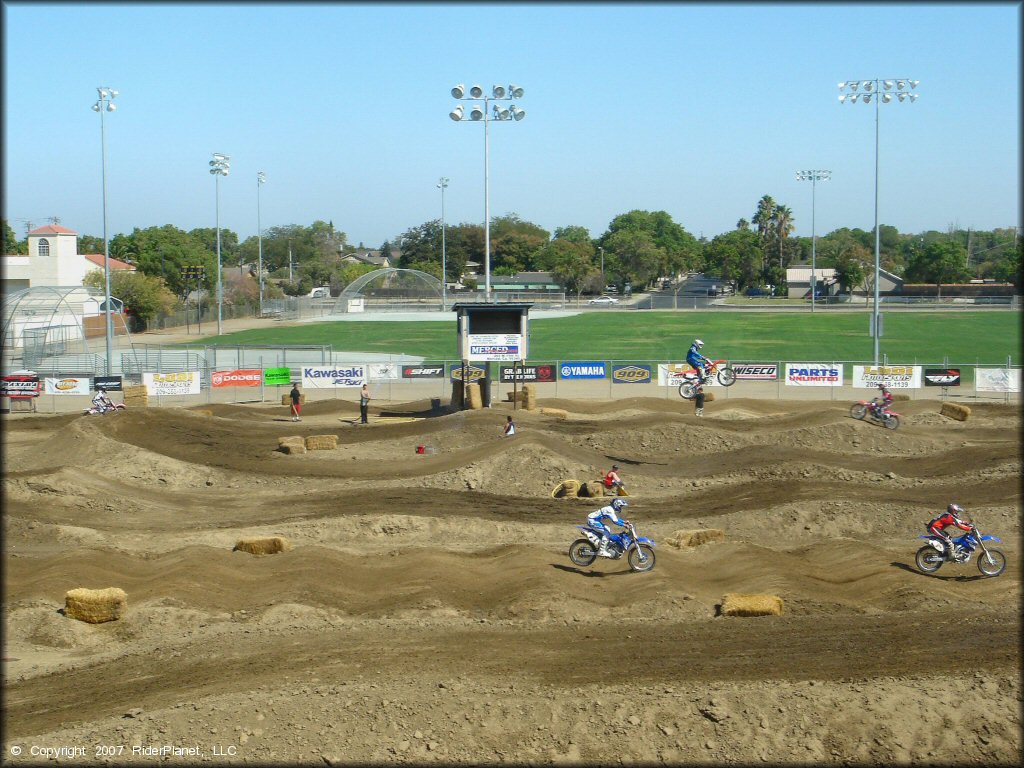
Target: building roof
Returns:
[[52, 229], [97, 259]]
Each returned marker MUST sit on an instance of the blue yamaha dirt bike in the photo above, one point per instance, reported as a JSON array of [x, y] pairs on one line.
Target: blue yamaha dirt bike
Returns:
[[639, 550], [930, 557]]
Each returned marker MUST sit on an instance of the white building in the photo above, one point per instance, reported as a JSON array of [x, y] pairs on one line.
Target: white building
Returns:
[[53, 260]]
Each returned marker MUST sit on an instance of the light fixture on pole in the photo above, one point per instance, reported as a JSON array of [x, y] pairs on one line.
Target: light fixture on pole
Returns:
[[219, 166], [105, 103], [443, 185], [882, 92], [261, 179], [487, 113], [814, 177]]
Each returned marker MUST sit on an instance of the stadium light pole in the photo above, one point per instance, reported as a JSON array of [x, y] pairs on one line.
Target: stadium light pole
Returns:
[[105, 103], [487, 114], [814, 177], [443, 185], [882, 92], [261, 179], [219, 166]]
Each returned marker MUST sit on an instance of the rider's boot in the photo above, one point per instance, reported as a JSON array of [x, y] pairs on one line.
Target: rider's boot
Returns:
[[699, 412], [602, 551]]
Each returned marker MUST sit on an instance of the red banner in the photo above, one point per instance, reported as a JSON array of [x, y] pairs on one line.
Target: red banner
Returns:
[[248, 377]]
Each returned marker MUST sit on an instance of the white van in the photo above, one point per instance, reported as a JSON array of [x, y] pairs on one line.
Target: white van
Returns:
[[320, 293]]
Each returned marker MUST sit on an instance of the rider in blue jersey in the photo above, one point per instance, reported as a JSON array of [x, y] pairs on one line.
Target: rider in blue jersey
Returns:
[[697, 360], [596, 521]]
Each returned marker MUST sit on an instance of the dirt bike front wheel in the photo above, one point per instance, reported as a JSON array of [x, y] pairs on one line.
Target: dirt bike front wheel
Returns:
[[992, 564], [582, 552], [727, 376], [687, 390], [859, 411], [892, 422], [641, 558], [929, 559]]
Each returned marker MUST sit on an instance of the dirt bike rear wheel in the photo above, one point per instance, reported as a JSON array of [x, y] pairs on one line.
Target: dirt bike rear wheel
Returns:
[[892, 422], [727, 376], [859, 411], [929, 559], [687, 390], [635, 553], [996, 566], [582, 552]]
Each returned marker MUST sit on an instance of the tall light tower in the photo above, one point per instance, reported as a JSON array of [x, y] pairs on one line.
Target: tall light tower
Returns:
[[219, 166], [105, 103], [261, 179], [443, 185], [814, 177], [478, 113], [882, 92]]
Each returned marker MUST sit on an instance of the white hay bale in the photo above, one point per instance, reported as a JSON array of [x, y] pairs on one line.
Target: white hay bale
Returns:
[[95, 606], [735, 604], [321, 442], [695, 537], [954, 411], [270, 545]]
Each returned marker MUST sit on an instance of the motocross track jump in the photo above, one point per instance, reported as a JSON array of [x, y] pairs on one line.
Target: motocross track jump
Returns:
[[427, 611]]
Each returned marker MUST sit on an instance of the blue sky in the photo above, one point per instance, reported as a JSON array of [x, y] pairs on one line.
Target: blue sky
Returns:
[[694, 109]]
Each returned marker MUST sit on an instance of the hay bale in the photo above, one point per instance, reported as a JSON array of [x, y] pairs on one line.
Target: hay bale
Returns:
[[291, 444], [136, 396], [286, 399], [954, 411], [592, 489], [735, 604], [515, 396], [95, 605], [473, 396], [558, 413], [900, 397], [530, 399], [695, 537], [321, 442], [202, 412], [709, 397], [567, 489], [270, 545]]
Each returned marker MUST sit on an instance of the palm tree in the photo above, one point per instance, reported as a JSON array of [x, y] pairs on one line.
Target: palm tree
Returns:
[[783, 226], [763, 218]]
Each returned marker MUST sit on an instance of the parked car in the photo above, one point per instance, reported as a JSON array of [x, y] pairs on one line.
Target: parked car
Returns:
[[606, 301]]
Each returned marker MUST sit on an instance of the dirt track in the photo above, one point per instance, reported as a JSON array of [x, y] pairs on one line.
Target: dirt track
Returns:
[[427, 611]]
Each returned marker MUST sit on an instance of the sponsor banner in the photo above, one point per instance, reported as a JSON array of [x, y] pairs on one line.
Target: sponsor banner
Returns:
[[942, 377], [495, 346], [109, 383], [20, 385], [527, 373], [631, 374], [423, 371], [67, 385], [893, 376], [473, 373], [814, 374], [331, 376], [583, 369], [277, 377], [671, 374], [382, 371], [181, 383], [246, 377], [756, 371], [997, 379]]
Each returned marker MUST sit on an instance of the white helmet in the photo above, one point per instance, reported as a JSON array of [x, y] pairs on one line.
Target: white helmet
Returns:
[[618, 504], [699, 343]]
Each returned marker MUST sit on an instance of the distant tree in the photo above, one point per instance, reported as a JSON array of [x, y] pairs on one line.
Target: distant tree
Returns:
[[638, 259], [144, 296], [10, 241], [736, 256], [939, 263]]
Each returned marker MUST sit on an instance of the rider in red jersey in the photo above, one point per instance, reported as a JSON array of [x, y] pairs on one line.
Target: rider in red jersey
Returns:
[[954, 516]]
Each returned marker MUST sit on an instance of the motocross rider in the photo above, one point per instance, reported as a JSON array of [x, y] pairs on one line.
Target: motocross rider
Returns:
[[953, 516], [697, 360], [880, 405], [596, 521], [101, 402]]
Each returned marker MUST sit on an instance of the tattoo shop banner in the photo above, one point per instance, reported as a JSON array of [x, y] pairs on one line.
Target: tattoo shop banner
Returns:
[[331, 377], [814, 374], [893, 376], [526, 373], [181, 383], [246, 377], [66, 385], [997, 379]]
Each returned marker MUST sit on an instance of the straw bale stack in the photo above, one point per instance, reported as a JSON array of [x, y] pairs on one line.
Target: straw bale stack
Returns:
[[515, 396], [95, 606], [954, 411], [531, 396], [473, 395], [558, 413], [900, 396], [286, 399], [567, 489], [592, 489], [735, 604], [709, 397], [321, 442], [696, 537], [291, 444], [136, 396], [270, 545]]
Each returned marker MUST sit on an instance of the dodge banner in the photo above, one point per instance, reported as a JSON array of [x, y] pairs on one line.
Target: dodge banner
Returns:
[[249, 377]]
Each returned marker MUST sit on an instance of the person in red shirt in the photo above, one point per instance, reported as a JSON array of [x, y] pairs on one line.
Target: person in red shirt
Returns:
[[612, 479], [954, 516]]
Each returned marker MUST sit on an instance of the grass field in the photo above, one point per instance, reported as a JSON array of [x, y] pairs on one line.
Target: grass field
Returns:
[[961, 337]]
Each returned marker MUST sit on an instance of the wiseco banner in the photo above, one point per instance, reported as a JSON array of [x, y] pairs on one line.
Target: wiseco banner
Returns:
[[248, 377]]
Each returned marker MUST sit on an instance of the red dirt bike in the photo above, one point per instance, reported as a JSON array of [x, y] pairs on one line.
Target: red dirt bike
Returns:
[[863, 408], [720, 368], [94, 411]]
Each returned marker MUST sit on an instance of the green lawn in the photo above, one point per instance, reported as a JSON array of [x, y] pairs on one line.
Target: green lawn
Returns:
[[962, 337]]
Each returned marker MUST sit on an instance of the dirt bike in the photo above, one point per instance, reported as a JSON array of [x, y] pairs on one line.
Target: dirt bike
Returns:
[[639, 550], [863, 408], [720, 368], [95, 411], [930, 557]]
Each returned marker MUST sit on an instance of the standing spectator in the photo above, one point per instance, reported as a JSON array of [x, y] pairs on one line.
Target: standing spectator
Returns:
[[296, 397], [510, 427], [364, 404]]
